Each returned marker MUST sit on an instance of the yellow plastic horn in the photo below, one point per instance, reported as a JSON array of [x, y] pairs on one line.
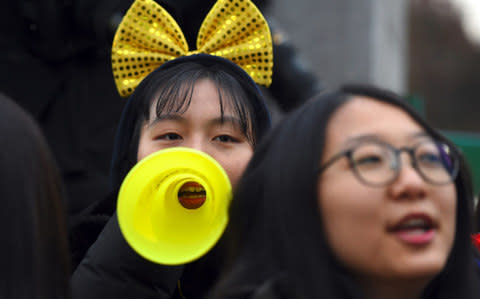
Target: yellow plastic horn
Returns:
[[173, 205]]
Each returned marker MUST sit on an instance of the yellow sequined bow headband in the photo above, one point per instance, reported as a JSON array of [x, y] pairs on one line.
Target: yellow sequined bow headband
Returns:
[[148, 36]]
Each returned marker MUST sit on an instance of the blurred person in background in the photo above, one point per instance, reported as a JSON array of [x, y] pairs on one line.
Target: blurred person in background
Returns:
[[33, 255], [56, 65]]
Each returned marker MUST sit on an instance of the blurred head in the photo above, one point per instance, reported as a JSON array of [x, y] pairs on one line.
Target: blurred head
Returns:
[[32, 230], [203, 102], [346, 222]]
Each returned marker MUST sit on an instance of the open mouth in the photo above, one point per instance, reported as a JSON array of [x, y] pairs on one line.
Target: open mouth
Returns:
[[192, 195], [415, 229]]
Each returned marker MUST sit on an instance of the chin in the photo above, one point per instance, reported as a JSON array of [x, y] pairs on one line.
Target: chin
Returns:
[[424, 268]]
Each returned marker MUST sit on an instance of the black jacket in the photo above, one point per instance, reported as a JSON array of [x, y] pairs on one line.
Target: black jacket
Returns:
[[111, 269]]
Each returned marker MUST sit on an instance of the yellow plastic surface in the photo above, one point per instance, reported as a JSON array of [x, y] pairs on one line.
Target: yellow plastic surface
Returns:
[[152, 219]]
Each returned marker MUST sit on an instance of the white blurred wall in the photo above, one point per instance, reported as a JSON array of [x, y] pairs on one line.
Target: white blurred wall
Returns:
[[349, 40]]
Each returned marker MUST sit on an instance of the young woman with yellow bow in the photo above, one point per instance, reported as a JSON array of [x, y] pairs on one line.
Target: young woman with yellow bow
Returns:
[[206, 99]]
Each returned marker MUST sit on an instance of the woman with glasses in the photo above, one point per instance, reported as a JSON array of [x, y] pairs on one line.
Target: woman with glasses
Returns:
[[352, 196]]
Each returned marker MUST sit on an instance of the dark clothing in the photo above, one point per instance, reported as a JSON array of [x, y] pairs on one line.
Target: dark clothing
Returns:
[[111, 269], [270, 289], [87, 226], [55, 63]]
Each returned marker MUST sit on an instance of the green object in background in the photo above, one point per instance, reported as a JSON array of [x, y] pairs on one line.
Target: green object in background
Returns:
[[417, 103], [469, 144]]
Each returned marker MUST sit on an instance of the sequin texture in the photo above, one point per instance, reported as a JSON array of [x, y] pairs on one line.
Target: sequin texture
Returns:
[[148, 36]]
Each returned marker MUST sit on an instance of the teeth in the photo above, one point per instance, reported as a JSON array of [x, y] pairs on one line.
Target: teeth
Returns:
[[192, 192], [191, 195], [417, 231], [192, 189], [415, 223]]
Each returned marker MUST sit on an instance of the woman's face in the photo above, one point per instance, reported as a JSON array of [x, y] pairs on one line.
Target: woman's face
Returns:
[[404, 230], [200, 127]]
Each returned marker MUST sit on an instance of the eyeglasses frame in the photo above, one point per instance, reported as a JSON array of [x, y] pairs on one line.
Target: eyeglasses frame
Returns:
[[397, 151]]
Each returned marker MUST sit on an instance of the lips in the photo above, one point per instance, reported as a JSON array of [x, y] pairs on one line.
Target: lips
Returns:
[[415, 229], [192, 195]]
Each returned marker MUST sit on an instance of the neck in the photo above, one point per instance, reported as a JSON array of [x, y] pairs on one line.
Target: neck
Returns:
[[393, 289]]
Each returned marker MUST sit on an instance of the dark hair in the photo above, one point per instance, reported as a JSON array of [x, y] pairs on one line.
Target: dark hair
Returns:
[[276, 227], [33, 254], [170, 88]]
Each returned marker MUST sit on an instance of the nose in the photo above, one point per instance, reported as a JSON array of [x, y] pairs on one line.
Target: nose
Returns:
[[197, 143], [409, 184]]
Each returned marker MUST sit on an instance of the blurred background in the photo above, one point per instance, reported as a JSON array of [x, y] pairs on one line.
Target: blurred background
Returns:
[[427, 50], [55, 62]]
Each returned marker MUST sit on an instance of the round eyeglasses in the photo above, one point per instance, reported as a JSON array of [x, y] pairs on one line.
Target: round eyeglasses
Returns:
[[375, 163]]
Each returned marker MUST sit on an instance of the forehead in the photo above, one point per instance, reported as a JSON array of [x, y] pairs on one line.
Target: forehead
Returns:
[[366, 116], [203, 96]]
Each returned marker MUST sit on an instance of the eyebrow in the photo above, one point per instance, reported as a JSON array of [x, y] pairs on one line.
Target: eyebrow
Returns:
[[234, 121], [373, 137], [165, 117]]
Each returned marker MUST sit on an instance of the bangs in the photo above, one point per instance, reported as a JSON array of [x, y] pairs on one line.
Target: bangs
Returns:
[[174, 95]]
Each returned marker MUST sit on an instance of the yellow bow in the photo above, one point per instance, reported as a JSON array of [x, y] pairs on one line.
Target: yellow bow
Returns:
[[148, 36]]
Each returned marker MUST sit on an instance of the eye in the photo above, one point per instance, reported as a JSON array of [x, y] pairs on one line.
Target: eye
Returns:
[[169, 137], [431, 155], [432, 159], [371, 156], [225, 138], [368, 160]]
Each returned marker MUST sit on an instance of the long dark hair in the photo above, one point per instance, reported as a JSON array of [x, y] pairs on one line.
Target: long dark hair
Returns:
[[33, 254], [275, 227]]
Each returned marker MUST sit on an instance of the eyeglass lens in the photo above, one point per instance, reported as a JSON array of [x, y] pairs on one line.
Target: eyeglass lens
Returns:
[[378, 164]]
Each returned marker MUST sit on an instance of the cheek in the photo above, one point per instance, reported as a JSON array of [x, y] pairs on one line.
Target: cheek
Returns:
[[235, 164], [145, 148], [350, 216]]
